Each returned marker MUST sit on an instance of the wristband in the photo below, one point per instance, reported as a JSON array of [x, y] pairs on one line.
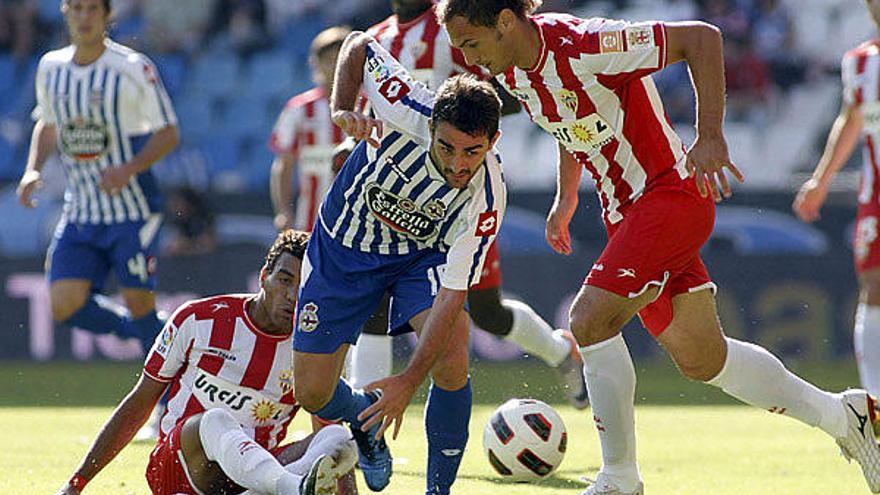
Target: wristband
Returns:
[[78, 481]]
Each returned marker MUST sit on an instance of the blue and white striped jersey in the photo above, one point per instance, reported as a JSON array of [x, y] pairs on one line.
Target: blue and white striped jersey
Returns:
[[103, 114], [394, 199]]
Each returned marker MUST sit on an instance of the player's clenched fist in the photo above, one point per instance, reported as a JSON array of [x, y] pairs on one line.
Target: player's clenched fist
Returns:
[[359, 126], [29, 183]]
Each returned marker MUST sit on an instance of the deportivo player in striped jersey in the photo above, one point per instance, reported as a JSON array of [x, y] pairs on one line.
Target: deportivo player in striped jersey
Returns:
[[859, 115], [586, 81], [227, 362], [104, 107], [418, 41], [412, 213], [304, 138]]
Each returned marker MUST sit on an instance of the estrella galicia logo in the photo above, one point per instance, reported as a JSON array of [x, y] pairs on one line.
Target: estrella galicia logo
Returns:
[[84, 140], [402, 215]]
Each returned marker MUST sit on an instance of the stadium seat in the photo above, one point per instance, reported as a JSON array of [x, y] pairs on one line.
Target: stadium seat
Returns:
[[222, 151], [7, 73], [214, 74], [269, 74], [172, 70], [195, 113], [247, 117], [256, 166], [10, 168]]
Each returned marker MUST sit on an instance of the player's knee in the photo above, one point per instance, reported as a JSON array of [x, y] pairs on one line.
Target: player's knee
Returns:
[[66, 305], [312, 398], [139, 302], [701, 368], [590, 324]]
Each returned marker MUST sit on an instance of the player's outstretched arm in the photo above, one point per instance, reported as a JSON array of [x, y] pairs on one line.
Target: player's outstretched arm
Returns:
[[43, 143], [158, 145], [565, 204], [397, 390], [347, 87], [700, 45], [129, 416], [841, 141]]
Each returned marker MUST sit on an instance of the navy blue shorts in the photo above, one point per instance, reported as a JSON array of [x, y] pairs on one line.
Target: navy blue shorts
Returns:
[[342, 287], [89, 252]]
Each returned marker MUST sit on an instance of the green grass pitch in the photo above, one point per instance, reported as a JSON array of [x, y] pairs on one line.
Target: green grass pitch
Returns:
[[692, 439]]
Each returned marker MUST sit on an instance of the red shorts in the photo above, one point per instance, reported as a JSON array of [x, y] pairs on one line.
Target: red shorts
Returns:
[[167, 473], [491, 275], [657, 244], [866, 246]]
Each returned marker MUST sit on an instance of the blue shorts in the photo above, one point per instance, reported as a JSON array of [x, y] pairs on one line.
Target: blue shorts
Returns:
[[89, 252], [342, 287]]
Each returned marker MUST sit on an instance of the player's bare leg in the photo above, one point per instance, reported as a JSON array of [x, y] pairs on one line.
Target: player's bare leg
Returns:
[[448, 409], [755, 376], [314, 390], [597, 317], [216, 449], [516, 321], [866, 333]]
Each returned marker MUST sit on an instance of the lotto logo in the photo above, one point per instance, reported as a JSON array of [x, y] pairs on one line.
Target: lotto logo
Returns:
[[394, 90], [487, 224]]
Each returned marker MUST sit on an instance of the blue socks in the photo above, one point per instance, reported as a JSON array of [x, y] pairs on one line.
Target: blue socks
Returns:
[[345, 405], [101, 315], [447, 415]]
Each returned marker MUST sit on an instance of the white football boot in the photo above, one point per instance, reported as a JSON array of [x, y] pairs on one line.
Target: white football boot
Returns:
[[860, 443], [604, 486]]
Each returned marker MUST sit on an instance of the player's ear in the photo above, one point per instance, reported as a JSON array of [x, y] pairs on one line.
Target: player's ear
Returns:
[[494, 139], [264, 274], [506, 20]]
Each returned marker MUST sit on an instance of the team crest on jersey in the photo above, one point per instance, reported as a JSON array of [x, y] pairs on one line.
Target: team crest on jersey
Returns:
[[569, 99], [84, 140], [285, 381], [639, 37], [401, 214], [435, 209], [419, 49], [308, 319]]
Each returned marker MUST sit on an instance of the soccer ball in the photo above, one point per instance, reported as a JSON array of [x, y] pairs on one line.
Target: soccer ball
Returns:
[[525, 440]]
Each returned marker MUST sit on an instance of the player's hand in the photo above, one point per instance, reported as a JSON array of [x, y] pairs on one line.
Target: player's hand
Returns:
[[30, 182], [809, 200], [706, 160], [556, 230], [283, 221], [114, 179], [359, 126], [397, 392]]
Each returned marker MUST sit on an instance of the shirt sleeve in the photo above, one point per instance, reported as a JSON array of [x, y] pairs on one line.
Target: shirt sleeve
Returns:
[[394, 96], [619, 52], [155, 104], [464, 261], [848, 78], [168, 354], [285, 134], [43, 110]]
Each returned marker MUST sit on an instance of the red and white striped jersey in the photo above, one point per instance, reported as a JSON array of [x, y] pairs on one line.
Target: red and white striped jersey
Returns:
[[304, 130], [213, 355], [860, 70], [422, 48], [590, 90]]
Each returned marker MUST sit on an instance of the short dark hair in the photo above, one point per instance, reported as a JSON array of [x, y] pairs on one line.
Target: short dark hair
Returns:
[[289, 241], [468, 104], [484, 12], [107, 6]]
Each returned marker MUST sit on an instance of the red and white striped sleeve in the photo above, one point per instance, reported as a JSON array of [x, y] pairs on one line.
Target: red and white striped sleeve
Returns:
[[285, 134], [848, 77], [618, 52], [168, 354]]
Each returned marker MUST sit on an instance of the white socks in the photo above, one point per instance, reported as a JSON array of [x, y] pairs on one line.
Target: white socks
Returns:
[[866, 338], [329, 440], [370, 359], [534, 335], [756, 377], [242, 459], [611, 381]]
